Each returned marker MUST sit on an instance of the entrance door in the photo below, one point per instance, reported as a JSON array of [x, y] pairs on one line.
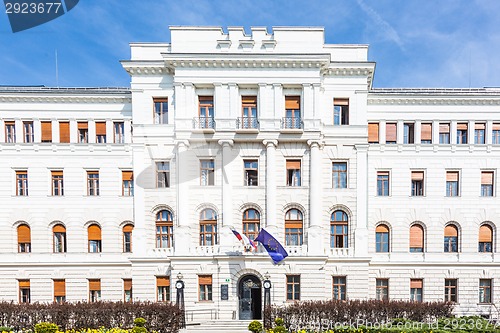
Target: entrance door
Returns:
[[250, 295]]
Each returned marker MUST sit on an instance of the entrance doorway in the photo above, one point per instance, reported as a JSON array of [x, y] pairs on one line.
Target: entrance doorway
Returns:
[[250, 296]]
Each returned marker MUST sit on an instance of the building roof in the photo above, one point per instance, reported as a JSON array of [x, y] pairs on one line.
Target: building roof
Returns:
[[64, 90]]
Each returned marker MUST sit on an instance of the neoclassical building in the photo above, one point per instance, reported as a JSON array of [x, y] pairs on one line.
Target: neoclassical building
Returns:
[[117, 193]]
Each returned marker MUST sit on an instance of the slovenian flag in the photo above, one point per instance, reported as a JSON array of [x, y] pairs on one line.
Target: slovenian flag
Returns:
[[244, 239]]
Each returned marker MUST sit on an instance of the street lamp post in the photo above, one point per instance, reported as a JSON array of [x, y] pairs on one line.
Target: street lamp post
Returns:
[[267, 299], [179, 286]]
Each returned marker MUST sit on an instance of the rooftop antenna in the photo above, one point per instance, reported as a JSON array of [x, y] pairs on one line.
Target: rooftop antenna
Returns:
[[57, 71]]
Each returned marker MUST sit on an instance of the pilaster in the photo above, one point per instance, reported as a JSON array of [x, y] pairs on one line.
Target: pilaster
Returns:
[[271, 184]]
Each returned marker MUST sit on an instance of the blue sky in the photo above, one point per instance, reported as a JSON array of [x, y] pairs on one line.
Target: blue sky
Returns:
[[415, 43]]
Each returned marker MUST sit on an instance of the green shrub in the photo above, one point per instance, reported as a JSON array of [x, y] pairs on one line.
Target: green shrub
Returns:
[[139, 322], [279, 321], [46, 327], [5, 329], [280, 329], [255, 326]]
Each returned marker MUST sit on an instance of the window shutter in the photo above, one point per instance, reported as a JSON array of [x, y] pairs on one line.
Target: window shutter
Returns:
[[127, 284], [64, 132], [128, 228], [293, 164], [373, 132], [416, 283], [451, 231], [487, 178], [163, 281], [416, 236], [452, 176], [94, 232], [24, 283], [205, 98], [462, 126], [444, 128], [205, 279], [23, 234], [127, 175], [417, 175], [59, 287], [292, 102], [496, 127], [480, 126], [59, 228], [485, 234], [426, 134], [341, 101], [382, 173], [390, 134], [100, 128], [56, 173], [382, 228], [94, 284], [293, 224], [249, 100], [83, 125], [46, 131]]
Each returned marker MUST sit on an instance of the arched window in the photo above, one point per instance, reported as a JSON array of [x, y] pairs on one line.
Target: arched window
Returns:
[[59, 233], [339, 229], [251, 223], [164, 229], [127, 237], [95, 240], [382, 238], [293, 227], [451, 238], [208, 227], [485, 238], [416, 238], [24, 238]]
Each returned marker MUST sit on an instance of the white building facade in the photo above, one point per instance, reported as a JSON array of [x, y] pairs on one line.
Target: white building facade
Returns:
[[115, 194]]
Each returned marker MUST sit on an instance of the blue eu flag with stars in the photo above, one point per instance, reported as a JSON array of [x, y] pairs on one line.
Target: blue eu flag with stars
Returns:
[[275, 250]]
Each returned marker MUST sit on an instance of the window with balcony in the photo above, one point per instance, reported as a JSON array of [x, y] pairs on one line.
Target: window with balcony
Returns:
[[10, 132], [251, 223], [57, 182], [59, 235], [127, 183], [373, 133], [206, 112], [83, 132], [23, 238], [444, 133], [92, 183], [100, 132], [339, 230], [251, 172], [391, 133], [59, 291], [293, 176], [205, 287], [450, 238], [485, 238], [417, 183], [408, 133], [127, 237], [119, 132], [292, 118], [46, 131], [382, 289], [452, 189], [339, 174], [127, 290], [293, 287], [416, 290], [341, 111], [162, 174], [24, 291], [462, 129], [339, 288], [426, 133], [383, 183], [164, 229], [163, 288], [485, 294], [294, 223], [95, 238], [208, 227], [22, 183], [160, 110], [479, 133], [382, 238], [64, 132], [29, 133], [450, 290], [416, 238], [249, 119], [487, 183], [94, 290]]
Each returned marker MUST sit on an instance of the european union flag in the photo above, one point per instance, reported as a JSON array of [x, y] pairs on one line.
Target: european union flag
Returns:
[[275, 250]]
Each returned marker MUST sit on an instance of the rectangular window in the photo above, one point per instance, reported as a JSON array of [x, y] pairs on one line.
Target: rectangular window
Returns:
[[207, 170], [452, 183], [409, 133], [163, 288], [426, 133], [485, 294], [161, 110], [59, 291], [251, 172], [292, 112], [64, 132], [450, 290], [94, 290], [339, 288], [416, 290], [382, 289], [119, 132], [383, 183], [496, 134], [417, 183], [29, 134], [339, 170], [59, 234], [206, 111], [162, 174], [341, 111], [57, 182], [46, 131], [249, 112], [462, 129], [24, 291], [92, 183], [205, 283], [444, 133], [127, 183], [127, 290], [10, 132], [479, 136], [127, 238], [83, 132], [293, 177], [486, 183], [100, 132], [390, 133], [382, 238], [22, 183], [373, 133], [293, 287]]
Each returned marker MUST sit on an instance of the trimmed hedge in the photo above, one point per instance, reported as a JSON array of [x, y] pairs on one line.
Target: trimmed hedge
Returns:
[[160, 317]]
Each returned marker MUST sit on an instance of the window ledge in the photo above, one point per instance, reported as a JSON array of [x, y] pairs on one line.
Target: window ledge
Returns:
[[247, 130], [292, 130], [204, 130]]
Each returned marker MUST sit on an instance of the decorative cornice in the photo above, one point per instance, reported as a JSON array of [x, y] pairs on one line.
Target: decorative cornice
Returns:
[[65, 99], [433, 101]]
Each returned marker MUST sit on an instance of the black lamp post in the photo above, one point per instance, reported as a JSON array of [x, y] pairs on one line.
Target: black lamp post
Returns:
[[179, 285], [267, 299]]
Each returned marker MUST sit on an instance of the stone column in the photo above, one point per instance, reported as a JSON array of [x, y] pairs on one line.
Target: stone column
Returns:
[[315, 232], [182, 238], [19, 130], [471, 132], [435, 132], [418, 132], [453, 132], [271, 222], [361, 226], [489, 132], [381, 132], [227, 200]]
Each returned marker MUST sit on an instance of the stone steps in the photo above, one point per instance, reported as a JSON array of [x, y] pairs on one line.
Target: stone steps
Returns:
[[216, 326]]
